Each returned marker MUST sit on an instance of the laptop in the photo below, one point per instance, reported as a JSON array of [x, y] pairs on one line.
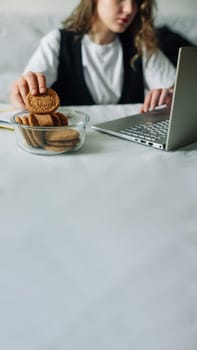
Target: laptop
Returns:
[[161, 128]]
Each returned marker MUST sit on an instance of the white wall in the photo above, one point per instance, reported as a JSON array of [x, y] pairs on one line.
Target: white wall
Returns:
[[164, 6], [33, 6], [183, 7]]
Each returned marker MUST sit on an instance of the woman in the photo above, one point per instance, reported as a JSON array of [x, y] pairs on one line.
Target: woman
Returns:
[[107, 53]]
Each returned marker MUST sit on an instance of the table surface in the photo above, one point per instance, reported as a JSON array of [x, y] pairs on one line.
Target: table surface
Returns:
[[98, 249]]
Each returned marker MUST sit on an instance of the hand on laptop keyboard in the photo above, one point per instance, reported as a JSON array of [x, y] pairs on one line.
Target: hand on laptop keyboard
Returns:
[[157, 98]]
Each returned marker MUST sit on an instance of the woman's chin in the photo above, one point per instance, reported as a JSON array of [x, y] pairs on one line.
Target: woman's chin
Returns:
[[120, 28]]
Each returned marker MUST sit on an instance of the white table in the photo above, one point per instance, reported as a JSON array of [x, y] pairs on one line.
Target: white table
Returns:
[[98, 249]]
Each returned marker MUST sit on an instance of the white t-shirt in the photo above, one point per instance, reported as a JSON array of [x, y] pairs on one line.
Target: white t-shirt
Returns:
[[102, 66]]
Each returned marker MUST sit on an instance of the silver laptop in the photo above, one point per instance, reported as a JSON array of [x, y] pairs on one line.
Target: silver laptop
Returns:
[[160, 128]]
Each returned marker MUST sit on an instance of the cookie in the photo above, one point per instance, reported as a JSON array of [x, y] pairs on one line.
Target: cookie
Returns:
[[24, 132], [37, 134], [61, 117], [62, 135], [18, 120], [56, 119], [45, 119], [42, 103], [57, 148], [29, 132], [64, 143]]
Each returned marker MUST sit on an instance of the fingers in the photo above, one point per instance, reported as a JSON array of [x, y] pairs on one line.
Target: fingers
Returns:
[[41, 83], [156, 98], [22, 88], [30, 82], [36, 82], [163, 96], [15, 97], [152, 100]]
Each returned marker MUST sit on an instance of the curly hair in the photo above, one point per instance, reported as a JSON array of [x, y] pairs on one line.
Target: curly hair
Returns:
[[141, 29]]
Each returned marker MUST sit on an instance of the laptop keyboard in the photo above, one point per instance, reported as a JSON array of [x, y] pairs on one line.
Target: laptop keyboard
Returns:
[[149, 131]]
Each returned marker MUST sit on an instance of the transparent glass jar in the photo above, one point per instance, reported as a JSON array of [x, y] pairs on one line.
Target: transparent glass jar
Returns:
[[51, 140]]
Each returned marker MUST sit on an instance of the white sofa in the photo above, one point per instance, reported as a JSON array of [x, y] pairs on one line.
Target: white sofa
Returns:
[[20, 35]]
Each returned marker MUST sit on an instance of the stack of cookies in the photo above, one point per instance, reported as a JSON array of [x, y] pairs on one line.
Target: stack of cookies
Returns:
[[43, 116]]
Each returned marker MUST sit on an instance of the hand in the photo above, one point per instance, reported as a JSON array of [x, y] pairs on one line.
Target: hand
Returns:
[[30, 82], [156, 98]]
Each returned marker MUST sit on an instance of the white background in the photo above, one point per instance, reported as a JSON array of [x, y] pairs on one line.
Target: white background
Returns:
[[164, 6]]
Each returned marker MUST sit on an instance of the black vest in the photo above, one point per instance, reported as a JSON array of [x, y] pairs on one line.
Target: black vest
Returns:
[[70, 84]]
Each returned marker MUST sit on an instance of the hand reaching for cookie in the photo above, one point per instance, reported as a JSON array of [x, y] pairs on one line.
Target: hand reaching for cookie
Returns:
[[35, 83], [157, 97]]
